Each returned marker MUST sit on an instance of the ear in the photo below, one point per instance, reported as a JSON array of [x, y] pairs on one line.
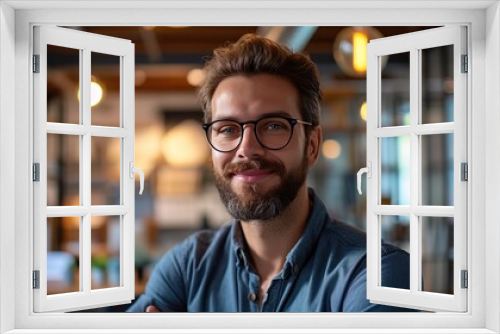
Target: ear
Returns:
[[315, 141]]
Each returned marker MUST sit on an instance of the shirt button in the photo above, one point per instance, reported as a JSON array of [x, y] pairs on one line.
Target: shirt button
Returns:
[[296, 269], [252, 296], [240, 255]]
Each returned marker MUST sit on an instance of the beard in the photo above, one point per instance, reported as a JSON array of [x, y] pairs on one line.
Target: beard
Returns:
[[251, 203]]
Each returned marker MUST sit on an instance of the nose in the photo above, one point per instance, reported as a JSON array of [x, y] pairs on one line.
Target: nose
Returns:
[[249, 146]]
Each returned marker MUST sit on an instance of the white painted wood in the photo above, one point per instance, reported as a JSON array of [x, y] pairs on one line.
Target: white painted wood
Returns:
[[392, 210], [7, 167], [418, 129], [419, 210], [247, 4], [433, 129], [413, 43], [415, 154], [312, 13], [492, 184], [392, 131], [86, 297], [77, 129], [373, 157]]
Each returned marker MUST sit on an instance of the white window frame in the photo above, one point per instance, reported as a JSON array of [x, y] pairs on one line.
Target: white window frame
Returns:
[[16, 21], [86, 44], [414, 43]]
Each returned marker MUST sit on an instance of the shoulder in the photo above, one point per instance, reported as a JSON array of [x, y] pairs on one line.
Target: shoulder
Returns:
[[352, 238], [345, 243], [201, 244], [347, 235]]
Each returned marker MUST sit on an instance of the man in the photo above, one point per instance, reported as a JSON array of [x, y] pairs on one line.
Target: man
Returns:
[[282, 252]]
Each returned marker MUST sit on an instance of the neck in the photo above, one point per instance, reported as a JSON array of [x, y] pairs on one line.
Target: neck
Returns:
[[269, 242]]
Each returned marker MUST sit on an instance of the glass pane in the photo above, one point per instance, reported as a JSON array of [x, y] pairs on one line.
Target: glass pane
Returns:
[[105, 171], [437, 254], [395, 230], [437, 84], [395, 170], [63, 170], [395, 94], [105, 259], [105, 89], [63, 252], [63, 79], [437, 169]]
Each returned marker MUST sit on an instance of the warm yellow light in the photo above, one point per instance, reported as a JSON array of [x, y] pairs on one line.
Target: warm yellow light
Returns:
[[349, 50], [363, 111], [331, 149], [185, 145], [359, 42], [195, 77], [96, 94]]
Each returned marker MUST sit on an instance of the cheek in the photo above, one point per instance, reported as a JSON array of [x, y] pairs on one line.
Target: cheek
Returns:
[[219, 160]]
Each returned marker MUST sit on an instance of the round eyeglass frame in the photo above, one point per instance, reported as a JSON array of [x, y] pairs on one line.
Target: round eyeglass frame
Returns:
[[292, 121]]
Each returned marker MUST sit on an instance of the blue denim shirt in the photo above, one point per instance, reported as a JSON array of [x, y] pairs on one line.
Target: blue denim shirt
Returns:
[[324, 272]]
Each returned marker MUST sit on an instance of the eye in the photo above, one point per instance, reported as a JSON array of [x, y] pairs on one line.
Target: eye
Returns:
[[230, 129], [274, 125], [227, 129]]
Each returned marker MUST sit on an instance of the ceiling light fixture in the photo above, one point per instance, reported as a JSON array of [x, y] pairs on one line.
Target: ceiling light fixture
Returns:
[[349, 49]]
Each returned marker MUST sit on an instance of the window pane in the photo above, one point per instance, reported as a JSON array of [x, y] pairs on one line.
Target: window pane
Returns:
[[63, 79], [437, 84], [437, 170], [105, 170], [105, 89], [63, 170], [437, 254], [395, 230], [105, 262], [395, 94], [395, 170], [63, 252]]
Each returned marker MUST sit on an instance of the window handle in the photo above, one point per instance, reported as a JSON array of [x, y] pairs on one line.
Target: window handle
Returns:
[[134, 170], [368, 171]]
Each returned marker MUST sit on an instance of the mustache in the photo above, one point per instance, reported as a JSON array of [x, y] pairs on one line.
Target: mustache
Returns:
[[237, 167]]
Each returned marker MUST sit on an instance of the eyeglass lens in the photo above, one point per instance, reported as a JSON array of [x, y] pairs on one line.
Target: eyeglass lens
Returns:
[[272, 133]]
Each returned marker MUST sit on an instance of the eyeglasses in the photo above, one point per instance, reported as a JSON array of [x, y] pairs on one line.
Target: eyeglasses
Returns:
[[273, 133]]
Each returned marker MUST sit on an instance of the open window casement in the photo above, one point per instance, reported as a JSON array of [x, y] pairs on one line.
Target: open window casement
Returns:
[[57, 139], [417, 167]]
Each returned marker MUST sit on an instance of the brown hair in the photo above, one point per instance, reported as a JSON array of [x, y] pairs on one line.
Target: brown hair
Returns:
[[253, 54]]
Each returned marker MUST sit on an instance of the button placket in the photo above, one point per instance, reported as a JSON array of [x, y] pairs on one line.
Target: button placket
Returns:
[[253, 286], [252, 297]]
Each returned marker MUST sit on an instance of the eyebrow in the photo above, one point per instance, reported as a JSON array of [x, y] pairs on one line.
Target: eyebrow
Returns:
[[265, 115]]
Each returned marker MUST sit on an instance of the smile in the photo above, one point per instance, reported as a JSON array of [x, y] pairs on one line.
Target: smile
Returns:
[[252, 175]]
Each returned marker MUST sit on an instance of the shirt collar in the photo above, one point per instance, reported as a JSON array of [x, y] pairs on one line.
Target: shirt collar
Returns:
[[298, 256], [239, 244]]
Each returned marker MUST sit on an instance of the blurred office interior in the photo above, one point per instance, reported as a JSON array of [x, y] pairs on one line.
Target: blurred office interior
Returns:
[[170, 146]]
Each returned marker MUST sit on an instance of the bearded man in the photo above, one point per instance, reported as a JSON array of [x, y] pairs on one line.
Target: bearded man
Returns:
[[281, 252]]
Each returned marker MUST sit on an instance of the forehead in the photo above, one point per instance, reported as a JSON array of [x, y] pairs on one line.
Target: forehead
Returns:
[[250, 97]]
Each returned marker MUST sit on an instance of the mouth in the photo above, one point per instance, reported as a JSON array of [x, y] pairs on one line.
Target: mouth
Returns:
[[252, 175]]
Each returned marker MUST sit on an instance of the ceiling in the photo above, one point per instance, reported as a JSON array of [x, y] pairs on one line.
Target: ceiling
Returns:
[[164, 55]]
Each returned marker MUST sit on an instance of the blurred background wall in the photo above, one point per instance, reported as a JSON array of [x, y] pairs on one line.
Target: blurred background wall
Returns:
[[179, 196]]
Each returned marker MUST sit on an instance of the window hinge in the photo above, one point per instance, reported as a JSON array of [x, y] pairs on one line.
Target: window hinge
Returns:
[[465, 279], [36, 172], [36, 279], [36, 63], [465, 64], [464, 172]]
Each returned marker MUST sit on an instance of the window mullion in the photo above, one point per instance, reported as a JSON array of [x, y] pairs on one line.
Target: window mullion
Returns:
[[414, 169], [85, 161]]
